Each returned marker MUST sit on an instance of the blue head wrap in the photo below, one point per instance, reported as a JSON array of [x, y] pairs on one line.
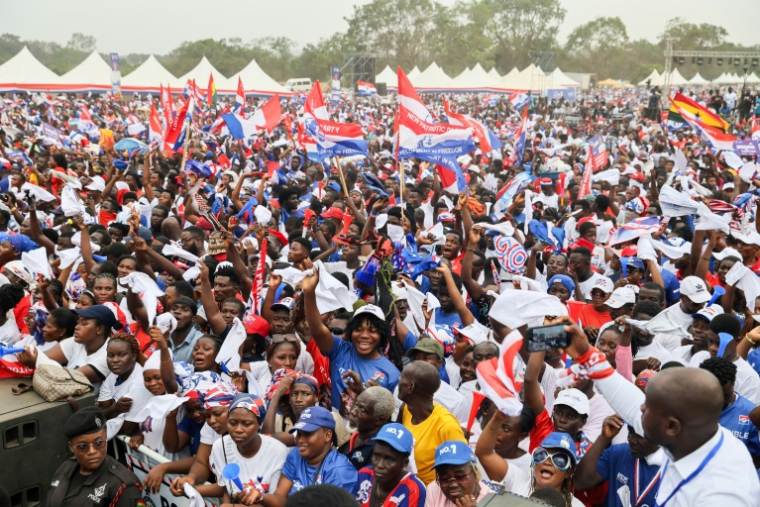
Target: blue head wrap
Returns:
[[564, 280]]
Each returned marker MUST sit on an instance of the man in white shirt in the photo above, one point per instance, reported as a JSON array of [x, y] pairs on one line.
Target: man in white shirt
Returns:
[[580, 264], [548, 195], [694, 295], [730, 98], [706, 464]]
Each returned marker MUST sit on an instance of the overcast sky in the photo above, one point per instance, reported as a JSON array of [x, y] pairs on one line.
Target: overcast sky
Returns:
[[158, 26]]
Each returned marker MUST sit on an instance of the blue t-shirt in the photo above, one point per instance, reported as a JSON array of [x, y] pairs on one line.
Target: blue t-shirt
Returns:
[[735, 418], [672, 286], [753, 358], [343, 357], [451, 320], [335, 470], [617, 465], [193, 429]]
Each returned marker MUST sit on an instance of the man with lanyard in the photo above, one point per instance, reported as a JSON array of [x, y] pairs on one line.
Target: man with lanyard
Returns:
[[632, 469], [680, 412]]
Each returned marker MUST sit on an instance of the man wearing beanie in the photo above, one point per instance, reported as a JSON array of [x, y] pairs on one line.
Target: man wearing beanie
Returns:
[[91, 477]]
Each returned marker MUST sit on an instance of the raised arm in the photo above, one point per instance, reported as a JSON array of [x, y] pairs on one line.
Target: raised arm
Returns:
[[213, 316], [495, 466], [85, 246], [586, 476], [473, 287], [36, 228], [456, 296], [319, 332], [149, 194], [238, 265], [531, 386]]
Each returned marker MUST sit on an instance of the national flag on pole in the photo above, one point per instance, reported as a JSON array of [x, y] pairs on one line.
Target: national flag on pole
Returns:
[[716, 136], [588, 172], [167, 104], [258, 281], [438, 143], [331, 138], [240, 98], [519, 100], [269, 116], [218, 124], [155, 129], [86, 124], [698, 114], [635, 229], [211, 95], [598, 151], [495, 390], [173, 131], [520, 140], [365, 88], [673, 120], [239, 127], [479, 131]]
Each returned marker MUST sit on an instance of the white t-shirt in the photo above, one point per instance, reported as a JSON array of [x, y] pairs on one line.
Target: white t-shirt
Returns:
[[452, 369], [684, 355], [262, 470], [153, 436], [9, 332], [657, 351], [208, 435], [76, 356], [747, 381], [603, 229], [549, 201], [599, 409], [518, 481], [133, 387]]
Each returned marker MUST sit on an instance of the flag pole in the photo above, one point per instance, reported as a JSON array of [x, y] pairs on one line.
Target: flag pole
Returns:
[[342, 178], [186, 145]]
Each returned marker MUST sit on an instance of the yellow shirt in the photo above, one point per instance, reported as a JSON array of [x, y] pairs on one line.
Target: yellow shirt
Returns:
[[440, 427]]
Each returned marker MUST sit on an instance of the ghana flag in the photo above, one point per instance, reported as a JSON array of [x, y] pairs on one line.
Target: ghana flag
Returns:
[[690, 110], [211, 92]]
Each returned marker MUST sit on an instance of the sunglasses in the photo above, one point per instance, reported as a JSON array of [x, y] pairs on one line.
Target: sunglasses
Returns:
[[337, 331], [84, 446], [560, 460], [448, 479], [283, 338], [596, 294]]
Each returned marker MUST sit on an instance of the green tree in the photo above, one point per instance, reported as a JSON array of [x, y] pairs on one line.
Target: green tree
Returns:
[[518, 26], [599, 46], [693, 36], [81, 42]]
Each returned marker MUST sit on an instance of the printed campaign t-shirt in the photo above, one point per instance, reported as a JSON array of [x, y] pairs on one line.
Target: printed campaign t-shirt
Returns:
[[735, 418], [622, 469], [343, 357], [261, 471], [335, 470], [409, 492]]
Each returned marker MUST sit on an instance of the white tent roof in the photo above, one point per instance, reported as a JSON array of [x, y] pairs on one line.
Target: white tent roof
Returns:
[[201, 73], [474, 79], [387, 76], [256, 80], [494, 75], [723, 79], [151, 74], [676, 79], [414, 73], [462, 75], [559, 79], [522, 80], [433, 77], [92, 71], [753, 79], [655, 79], [25, 69], [698, 80]]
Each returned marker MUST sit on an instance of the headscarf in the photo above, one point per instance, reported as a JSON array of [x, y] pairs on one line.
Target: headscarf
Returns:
[[280, 374], [564, 280], [40, 319], [19, 242], [209, 389], [250, 402]]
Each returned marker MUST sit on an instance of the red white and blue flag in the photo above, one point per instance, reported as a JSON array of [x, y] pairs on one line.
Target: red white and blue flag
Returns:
[[331, 138], [509, 191], [635, 229], [520, 138], [598, 152], [167, 105], [86, 124], [240, 98], [438, 143], [488, 141], [519, 100], [365, 88]]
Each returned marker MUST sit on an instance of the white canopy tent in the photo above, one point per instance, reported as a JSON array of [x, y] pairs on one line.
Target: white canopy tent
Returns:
[[676, 79], [655, 79], [753, 79], [201, 74], [25, 72], [256, 81], [462, 75], [723, 79], [92, 74], [559, 79], [474, 80], [388, 77], [495, 76], [149, 77], [522, 81], [433, 78], [698, 80], [414, 73]]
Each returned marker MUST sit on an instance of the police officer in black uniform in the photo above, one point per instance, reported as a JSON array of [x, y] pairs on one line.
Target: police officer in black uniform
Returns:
[[91, 477]]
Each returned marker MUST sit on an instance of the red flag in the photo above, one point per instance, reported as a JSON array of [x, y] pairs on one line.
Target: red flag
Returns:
[[155, 129], [173, 131], [269, 115], [240, 98], [167, 104], [272, 166], [478, 130], [258, 280], [588, 171]]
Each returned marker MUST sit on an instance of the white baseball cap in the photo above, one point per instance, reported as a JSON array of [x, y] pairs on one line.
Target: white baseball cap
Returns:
[[727, 252], [574, 399], [605, 284], [97, 184], [708, 313], [621, 296], [695, 289], [372, 310]]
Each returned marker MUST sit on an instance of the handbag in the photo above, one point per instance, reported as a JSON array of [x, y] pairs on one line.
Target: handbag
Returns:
[[55, 383]]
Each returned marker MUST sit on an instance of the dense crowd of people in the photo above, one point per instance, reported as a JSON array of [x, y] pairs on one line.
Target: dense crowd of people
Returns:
[[353, 323]]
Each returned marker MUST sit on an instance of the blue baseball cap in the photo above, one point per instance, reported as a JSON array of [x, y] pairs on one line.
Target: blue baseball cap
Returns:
[[101, 313], [635, 263], [397, 436], [314, 418], [453, 452], [561, 440]]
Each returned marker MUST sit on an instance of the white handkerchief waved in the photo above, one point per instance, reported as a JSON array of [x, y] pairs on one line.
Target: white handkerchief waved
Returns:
[[230, 350], [744, 279], [331, 293], [37, 262], [159, 407], [141, 283], [172, 249]]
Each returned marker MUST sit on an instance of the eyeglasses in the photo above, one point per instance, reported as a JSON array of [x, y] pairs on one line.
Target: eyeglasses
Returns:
[[337, 331], [597, 294], [560, 460], [84, 446], [460, 478]]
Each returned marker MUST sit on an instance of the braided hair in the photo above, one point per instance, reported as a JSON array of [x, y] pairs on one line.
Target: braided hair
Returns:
[[10, 295], [133, 344], [105, 275]]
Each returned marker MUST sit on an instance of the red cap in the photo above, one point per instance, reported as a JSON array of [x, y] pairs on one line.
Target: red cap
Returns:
[[583, 221], [629, 251], [637, 176], [333, 213], [256, 324], [280, 237], [546, 182]]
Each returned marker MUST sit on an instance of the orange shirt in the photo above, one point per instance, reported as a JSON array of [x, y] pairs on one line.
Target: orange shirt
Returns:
[[590, 317]]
